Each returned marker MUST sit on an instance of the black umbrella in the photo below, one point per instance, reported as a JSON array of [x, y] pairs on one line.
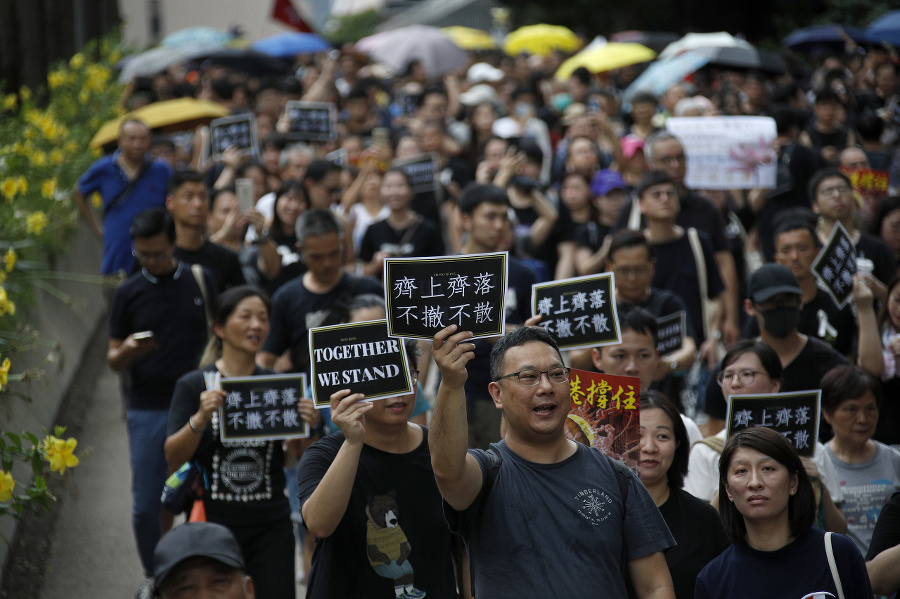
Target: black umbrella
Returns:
[[823, 38], [745, 59], [655, 40], [248, 61]]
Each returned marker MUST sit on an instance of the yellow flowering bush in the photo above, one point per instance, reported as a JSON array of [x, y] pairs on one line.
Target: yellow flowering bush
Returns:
[[44, 148]]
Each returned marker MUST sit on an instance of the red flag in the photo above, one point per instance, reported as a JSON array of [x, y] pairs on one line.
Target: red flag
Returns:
[[285, 12]]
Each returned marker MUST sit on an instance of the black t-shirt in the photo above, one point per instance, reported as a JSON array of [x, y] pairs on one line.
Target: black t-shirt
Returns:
[[836, 139], [348, 563], [421, 238], [291, 264], [295, 310], [548, 251], [172, 308], [875, 249], [695, 211], [821, 318], [245, 479], [698, 531], [591, 235], [887, 530], [518, 310], [660, 303], [676, 271], [888, 428], [804, 373], [221, 262]]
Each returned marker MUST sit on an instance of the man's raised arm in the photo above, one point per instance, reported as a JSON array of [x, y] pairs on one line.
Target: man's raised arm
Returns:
[[458, 475]]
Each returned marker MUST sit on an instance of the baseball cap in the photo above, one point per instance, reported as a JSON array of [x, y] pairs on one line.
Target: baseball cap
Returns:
[[195, 539], [631, 144], [481, 72], [605, 181], [771, 279], [479, 94]]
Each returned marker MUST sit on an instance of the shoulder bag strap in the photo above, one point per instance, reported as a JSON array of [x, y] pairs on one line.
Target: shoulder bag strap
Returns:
[[197, 271], [829, 551], [700, 262], [120, 197]]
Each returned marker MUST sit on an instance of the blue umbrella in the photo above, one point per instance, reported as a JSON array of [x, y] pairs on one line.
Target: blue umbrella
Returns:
[[885, 28], [291, 43], [825, 37], [194, 36]]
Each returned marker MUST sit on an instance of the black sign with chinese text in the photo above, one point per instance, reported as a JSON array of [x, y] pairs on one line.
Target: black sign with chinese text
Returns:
[[795, 415], [312, 121], [238, 132], [670, 332], [836, 264], [262, 407], [358, 356], [579, 312], [422, 171], [425, 295]]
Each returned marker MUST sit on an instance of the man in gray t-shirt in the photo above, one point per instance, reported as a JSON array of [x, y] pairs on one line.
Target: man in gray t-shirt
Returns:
[[539, 513]]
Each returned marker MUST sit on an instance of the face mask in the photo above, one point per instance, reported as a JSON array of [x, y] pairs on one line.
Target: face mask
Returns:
[[561, 101], [781, 321]]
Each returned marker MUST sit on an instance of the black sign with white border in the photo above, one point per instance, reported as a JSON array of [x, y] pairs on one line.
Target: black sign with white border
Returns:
[[671, 331], [794, 414], [579, 312], [358, 356], [311, 121], [237, 131], [425, 295], [422, 172], [263, 407], [835, 265]]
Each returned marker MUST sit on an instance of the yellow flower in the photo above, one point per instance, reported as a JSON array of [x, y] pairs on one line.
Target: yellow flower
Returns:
[[6, 307], [4, 373], [36, 222], [9, 260], [77, 61], [97, 199], [25, 93], [39, 159], [83, 96], [22, 184], [9, 188], [57, 157], [2, 276], [48, 188], [9, 102], [71, 146], [56, 79], [7, 484], [61, 454]]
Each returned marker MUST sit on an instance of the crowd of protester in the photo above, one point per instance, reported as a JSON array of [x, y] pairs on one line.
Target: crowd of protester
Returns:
[[570, 183]]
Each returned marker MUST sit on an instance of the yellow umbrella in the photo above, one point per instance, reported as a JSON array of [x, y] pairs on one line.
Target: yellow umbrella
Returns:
[[613, 55], [541, 39], [169, 116], [470, 39]]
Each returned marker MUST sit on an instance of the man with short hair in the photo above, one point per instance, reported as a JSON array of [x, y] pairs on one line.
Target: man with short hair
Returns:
[[322, 181], [319, 297], [188, 204], [157, 332], [200, 559], [539, 513], [484, 213], [128, 182]]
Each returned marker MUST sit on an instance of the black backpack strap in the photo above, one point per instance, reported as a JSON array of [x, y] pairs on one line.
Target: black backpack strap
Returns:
[[123, 193]]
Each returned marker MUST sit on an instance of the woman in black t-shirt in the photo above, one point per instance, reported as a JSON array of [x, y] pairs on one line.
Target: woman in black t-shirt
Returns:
[[243, 481], [290, 203]]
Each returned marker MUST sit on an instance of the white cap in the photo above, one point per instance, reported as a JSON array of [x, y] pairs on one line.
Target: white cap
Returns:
[[479, 94], [481, 72]]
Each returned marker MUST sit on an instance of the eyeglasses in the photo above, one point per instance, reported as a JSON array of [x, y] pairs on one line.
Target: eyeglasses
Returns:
[[532, 377], [839, 189], [151, 256], [744, 377], [627, 271], [668, 159]]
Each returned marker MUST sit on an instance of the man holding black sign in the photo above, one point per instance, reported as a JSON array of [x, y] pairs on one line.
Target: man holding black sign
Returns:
[[539, 512], [319, 297]]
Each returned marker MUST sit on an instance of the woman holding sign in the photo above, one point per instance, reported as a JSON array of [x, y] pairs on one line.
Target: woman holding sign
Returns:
[[663, 464], [768, 507], [243, 480]]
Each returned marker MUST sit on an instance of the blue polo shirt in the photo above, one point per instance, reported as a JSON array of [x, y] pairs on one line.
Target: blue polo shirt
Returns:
[[107, 177]]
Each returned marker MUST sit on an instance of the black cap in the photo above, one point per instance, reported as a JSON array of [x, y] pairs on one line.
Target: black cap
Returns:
[[770, 280], [195, 539]]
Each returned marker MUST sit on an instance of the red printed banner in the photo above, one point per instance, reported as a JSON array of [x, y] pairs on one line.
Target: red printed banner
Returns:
[[605, 414]]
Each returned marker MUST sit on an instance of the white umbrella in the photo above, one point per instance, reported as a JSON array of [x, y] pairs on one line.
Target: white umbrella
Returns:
[[156, 60], [399, 47], [692, 41]]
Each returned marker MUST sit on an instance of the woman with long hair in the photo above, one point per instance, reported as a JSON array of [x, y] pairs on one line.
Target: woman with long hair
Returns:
[[768, 507], [290, 202], [663, 464], [243, 481]]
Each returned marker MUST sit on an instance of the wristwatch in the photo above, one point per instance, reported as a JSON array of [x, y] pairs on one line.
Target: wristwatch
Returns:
[[673, 365]]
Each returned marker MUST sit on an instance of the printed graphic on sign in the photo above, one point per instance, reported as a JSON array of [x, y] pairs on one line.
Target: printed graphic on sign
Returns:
[[312, 121], [262, 407], [836, 264], [671, 332], [579, 312], [425, 295], [795, 415], [605, 413], [358, 356], [238, 132], [422, 171]]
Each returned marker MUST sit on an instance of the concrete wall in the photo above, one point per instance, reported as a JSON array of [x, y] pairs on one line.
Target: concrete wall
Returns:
[[72, 327]]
